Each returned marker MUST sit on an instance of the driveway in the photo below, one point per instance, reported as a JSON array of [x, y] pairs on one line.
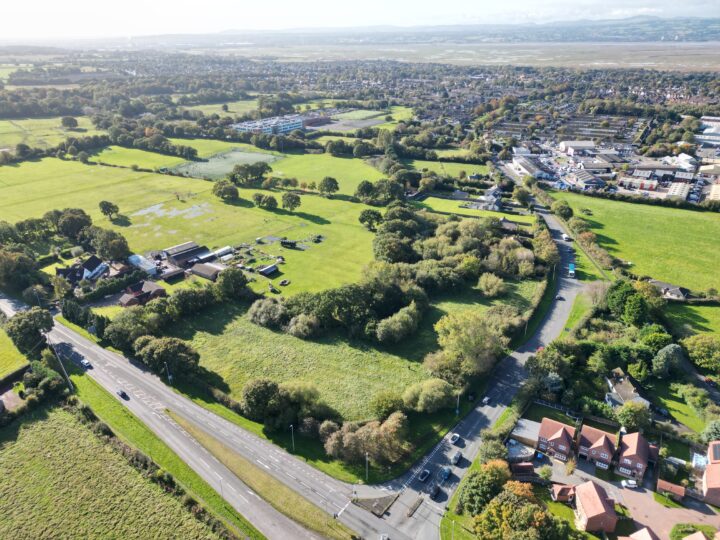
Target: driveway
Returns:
[[648, 513]]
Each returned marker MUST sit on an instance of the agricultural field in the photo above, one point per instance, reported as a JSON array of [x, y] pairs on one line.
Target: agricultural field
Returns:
[[41, 132], [446, 168], [669, 244], [687, 319], [56, 477], [347, 373], [235, 108], [437, 204], [161, 210], [10, 358]]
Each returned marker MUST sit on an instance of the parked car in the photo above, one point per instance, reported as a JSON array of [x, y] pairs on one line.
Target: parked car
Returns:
[[444, 473], [424, 475], [454, 438], [123, 394], [85, 363], [457, 456], [630, 484], [486, 400], [434, 491]]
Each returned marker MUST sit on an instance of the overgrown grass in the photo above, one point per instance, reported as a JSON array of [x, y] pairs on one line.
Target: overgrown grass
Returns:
[[277, 494], [127, 157], [537, 412], [580, 308], [57, 479], [673, 245], [235, 108], [683, 530], [131, 430], [41, 132], [10, 358], [437, 204], [447, 168]]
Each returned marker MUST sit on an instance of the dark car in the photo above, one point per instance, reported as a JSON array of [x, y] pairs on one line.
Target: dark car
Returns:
[[444, 473], [434, 491], [123, 394], [424, 475]]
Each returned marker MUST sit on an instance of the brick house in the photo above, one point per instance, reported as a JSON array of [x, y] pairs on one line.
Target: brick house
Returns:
[[555, 439], [636, 454], [594, 510], [597, 446], [711, 476]]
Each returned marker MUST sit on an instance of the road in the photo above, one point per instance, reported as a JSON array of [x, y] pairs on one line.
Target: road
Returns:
[[150, 398]]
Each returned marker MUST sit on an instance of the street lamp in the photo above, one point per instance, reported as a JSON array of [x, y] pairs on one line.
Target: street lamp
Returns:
[[457, 407], [367, 466], [292, 435], [167, 370]]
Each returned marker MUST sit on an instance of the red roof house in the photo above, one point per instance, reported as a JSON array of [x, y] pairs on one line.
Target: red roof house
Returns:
[[594, 510], [555, 439]]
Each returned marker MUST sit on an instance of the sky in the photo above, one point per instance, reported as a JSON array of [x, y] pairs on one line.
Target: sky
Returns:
[[72, 19]]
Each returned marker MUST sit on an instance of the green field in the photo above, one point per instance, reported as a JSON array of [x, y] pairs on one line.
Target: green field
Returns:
[[57, 479], [673, 245], [359, 114], [446, 168], [209, 147], [581, 307], [127, 157], [155, 218], [676, 405], [687, 319], [327, 138], [234, 108], [41, 132], [399, 114], [348, 373], [10, 358], [220, 165], [437, 204], [451, 152]]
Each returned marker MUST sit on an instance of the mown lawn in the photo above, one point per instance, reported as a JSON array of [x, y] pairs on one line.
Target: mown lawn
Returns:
[[581, 307], [155, 218], [537, 412], [688, 319], [348, 373], [131, 430], [127, 157], [234, 108], [10, 358], [41, 132], [669, 244], [446, 168], [675, 404], [57, 479], [437, 204]]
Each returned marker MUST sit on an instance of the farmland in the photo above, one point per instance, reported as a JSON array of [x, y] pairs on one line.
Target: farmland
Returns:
[[347, 373], [447, 168], [10, 358], [128, 157], [41, 132], [58, 479], [156, 218], [673, 245], [235, 108]]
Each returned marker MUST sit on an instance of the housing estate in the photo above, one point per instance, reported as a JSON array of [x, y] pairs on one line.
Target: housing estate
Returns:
[[597, 446], [555, 439], [594, 510]]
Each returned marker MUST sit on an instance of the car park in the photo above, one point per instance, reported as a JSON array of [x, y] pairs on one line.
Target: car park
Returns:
[[486, 400], [424, 475], [444, 473]]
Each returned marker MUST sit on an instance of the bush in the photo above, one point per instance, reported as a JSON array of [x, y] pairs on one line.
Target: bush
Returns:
[[429, 396], [400, 325], [268, 312], [303, 326], [491, 285], [385, 403]]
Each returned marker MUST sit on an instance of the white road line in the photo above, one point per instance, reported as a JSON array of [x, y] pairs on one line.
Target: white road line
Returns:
[[343, 509], [263, 464]]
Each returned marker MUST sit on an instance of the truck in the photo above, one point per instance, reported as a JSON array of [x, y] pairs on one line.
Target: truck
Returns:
[[571, 270]]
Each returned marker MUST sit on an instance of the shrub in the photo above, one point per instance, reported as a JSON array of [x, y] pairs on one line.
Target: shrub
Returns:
[[400, 325], [429, 396], [268, 312], [385, 403], [491, 285], [303, 326]]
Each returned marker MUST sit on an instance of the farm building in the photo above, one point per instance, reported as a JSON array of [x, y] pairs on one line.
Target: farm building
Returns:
[[268, 270], [138, 261], [208, 271], [187, 254]]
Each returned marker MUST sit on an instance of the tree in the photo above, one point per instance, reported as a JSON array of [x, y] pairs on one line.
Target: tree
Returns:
[[231, 284], [17, 270], [370, 218], [704, 351], [522, 196], [711, 431], [157, 353], [225, 190], [72, 221], [61, 287], [269, 202], [328, 186], [491, 448], [491, 285], [290, 201], [249, 174], [26, 330], [482, 485], [68, 122], [429, 396], [668, 358], [562, 209], [635, 311], [108, 209], [633, 416], [268, 312], [617, 297], [385, 403], [107, 243], [258, 395]]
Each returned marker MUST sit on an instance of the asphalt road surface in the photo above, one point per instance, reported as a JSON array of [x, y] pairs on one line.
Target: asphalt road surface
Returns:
[[149, 398]]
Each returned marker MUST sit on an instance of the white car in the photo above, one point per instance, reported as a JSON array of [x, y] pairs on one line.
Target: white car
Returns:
[[486, 400], [454, 438], [630, 484], [85, 363]]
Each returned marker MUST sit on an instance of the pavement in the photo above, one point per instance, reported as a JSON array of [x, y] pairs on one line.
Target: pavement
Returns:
[[149, 398]]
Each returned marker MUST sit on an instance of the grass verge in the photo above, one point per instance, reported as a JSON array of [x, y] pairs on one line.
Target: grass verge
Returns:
[[667, 502], [277, 494], [131, 430]]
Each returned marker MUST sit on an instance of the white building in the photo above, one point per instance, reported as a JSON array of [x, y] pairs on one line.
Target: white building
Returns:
[[272, 126], [572, 148], [679, 190], [714, 194]]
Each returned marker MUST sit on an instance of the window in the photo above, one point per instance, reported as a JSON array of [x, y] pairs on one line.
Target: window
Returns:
[[552, 443], [562, 447], [626, 461], [604, 455], [639, 466], [623, 470]]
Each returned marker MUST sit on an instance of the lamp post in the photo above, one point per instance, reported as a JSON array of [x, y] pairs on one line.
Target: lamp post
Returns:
[[367, 466], [457, 406], [292, 436], [167, 370]]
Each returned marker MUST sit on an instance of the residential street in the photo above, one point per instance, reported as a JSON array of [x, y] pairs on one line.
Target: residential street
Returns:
[[150, 397]]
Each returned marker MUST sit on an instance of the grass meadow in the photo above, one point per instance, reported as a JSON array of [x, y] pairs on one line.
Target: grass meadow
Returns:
[[129, 157], [450, 206], [446, 168], [688, 319], [10, 358], [669, 244], [58, 478], [235, 108], [41, 132]]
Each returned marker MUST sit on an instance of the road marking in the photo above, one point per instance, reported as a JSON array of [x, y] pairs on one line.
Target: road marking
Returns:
[[343, 509], [263, 464]]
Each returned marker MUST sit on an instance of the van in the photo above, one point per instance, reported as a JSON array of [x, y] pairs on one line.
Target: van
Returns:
[[565, 237]]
